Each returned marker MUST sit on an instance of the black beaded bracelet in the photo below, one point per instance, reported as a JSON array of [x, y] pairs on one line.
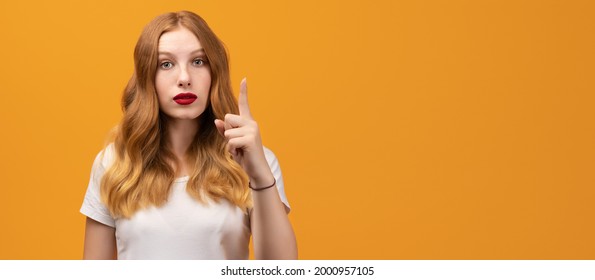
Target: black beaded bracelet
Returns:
[[260, 189]]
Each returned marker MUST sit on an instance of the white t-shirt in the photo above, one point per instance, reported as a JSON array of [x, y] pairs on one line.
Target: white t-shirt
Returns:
[[183, 228]]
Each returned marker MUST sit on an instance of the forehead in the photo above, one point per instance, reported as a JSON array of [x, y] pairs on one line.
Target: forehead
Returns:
[[179, 40]]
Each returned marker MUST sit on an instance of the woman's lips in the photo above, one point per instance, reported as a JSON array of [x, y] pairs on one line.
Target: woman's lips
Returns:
[[185, 98]]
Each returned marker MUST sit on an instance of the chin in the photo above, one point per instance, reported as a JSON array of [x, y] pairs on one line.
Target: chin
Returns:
[[184, 116]]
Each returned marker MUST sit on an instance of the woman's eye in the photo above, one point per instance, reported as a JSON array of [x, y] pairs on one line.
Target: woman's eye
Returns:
[[167, 65], [198, 62]]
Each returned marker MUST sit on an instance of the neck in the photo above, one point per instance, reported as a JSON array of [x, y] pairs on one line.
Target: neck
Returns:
[[180, 134]]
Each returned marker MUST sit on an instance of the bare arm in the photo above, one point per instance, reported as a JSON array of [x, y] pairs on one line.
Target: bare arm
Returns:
[[272, 232], [100, 241]]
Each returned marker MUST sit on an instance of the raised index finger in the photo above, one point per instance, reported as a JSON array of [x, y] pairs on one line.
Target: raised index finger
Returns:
[[243, 100]]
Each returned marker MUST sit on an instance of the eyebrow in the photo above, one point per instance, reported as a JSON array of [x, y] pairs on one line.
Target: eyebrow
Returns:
[[201, 50]]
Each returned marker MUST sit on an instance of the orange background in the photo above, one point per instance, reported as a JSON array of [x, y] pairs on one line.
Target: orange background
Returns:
[[405, 129]]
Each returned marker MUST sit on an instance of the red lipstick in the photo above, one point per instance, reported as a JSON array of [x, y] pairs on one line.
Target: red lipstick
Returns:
[[185, 98]]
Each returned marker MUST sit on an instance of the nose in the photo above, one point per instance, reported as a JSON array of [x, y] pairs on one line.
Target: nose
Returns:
[[184, 78]]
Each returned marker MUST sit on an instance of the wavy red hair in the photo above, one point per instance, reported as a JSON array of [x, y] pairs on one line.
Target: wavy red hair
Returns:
[[142, 172]]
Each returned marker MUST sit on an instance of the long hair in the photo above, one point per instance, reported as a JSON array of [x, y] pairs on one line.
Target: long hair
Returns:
[[142, 174]]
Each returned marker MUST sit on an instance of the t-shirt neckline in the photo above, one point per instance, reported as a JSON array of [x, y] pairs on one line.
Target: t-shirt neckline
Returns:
[[182, 179]]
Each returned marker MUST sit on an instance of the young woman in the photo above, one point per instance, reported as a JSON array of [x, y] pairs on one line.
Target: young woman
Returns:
[[186, 176]]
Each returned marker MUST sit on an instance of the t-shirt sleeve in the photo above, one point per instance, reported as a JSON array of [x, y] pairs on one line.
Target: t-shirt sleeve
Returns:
[[276, 169], [92, 206]]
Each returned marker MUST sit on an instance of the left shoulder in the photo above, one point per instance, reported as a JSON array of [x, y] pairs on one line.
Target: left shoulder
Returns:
[[276, 169], [270, 157], [268, 153]]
